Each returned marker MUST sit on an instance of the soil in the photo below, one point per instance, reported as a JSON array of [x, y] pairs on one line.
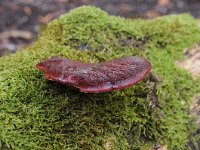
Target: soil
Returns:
[[21, 20]]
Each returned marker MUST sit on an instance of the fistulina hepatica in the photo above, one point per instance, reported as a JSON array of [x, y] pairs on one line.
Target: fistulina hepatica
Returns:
[[96, 77]]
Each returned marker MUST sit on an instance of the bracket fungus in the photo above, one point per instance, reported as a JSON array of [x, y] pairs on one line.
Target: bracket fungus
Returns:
[[96, 77]]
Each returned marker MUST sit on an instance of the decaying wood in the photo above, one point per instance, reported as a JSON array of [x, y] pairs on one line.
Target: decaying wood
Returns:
[[192, 62]]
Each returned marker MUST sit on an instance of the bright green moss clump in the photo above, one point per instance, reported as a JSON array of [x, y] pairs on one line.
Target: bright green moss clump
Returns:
[[39, 114]]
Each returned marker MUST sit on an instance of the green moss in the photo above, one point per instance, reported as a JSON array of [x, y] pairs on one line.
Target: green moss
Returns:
[[39, 114]]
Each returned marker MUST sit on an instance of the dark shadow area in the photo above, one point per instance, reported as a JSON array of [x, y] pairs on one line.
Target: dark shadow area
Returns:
[[26, 18]]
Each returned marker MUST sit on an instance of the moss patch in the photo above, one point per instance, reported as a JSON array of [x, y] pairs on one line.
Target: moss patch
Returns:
[[39, 114]]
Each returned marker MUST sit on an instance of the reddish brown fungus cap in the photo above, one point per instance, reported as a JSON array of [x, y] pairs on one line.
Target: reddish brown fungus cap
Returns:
[[97, 77]]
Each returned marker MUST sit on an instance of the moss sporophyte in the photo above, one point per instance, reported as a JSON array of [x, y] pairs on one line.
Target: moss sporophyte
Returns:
[[36, 113]]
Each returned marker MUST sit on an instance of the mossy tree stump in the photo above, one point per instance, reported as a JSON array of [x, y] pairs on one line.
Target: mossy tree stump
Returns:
[[39, 114]]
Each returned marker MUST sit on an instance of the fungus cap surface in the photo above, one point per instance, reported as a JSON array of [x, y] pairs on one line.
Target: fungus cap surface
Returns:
[[96, 77]]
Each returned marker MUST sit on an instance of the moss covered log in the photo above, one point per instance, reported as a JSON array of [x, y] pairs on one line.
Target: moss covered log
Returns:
[[40, 114]]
